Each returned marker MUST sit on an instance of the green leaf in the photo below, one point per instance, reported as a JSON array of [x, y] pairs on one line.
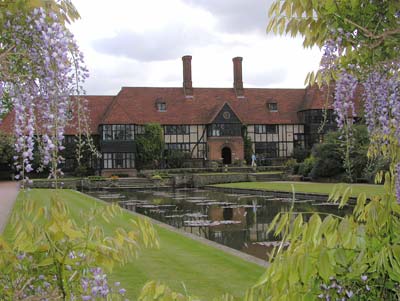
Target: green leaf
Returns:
[[325, 267], [45, 262], [282, 223], [345, 196]]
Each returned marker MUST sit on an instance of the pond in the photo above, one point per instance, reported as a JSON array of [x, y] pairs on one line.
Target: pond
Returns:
[[238, 221]]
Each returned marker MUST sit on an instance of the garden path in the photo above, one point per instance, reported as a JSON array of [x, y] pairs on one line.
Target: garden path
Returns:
[[8, 194]]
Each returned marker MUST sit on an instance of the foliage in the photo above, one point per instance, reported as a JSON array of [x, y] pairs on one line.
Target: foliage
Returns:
[[53, 257], [64, 9], [306, 167], [329, 154], [176, 158], [96, 178], [360, 252], [150, 146], [357, 256], [300, 153], [6, 148], [247, 146], [375, 166], [81, 171], [373, 28], [41, 67], [290, 165], [328, 157]]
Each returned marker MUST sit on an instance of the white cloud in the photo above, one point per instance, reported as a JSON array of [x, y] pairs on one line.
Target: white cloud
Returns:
[[140, 43]]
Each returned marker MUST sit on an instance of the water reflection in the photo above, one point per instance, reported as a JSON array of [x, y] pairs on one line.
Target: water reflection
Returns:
[[237, 221]]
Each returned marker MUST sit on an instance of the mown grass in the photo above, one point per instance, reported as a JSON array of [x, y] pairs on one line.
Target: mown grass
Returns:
[[307, 187], [182, 263]]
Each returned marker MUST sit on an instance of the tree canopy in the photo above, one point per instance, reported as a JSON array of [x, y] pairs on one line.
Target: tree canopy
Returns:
[[369, 31]]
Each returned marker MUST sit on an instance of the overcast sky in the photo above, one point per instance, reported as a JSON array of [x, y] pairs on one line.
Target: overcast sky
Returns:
[[141, 43]]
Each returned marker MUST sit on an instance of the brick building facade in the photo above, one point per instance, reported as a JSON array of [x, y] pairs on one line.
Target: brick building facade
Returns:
[[208, 123]]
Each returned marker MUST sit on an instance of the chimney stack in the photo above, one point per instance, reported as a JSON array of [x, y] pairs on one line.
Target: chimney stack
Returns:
[[187, 75], [237, 76]]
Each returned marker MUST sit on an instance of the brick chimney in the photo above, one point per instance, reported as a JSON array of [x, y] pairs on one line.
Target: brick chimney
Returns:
[[237, 76], [187, 75]]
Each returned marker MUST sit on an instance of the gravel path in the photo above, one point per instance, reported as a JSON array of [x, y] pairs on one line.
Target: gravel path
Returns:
[[8, 195]]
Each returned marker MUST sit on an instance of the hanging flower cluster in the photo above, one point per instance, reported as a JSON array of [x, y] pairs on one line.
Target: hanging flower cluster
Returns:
[[344, 99], [46, 69], [346, 83], [382, 105]]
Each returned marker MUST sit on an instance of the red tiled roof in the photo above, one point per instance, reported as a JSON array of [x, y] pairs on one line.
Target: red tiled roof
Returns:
[[138, 105], [97, 105], [316, 98]]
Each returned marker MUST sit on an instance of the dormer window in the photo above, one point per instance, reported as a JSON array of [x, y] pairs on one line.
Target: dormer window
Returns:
[[272, 106], [161, 105]]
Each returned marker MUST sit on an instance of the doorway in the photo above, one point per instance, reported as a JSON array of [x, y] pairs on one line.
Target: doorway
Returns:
[[226, 155]]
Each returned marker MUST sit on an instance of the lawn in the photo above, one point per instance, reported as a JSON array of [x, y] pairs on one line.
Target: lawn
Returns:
[[307, 187], [204, 271]]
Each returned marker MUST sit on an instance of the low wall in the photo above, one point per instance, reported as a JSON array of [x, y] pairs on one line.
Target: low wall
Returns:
[[203, 180], [67, 184], [278, 194], [110, 172], [150, 172]]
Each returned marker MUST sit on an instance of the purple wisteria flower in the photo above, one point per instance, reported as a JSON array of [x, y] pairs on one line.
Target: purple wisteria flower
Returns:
[[382, 105], [344, 99], [52, 70]]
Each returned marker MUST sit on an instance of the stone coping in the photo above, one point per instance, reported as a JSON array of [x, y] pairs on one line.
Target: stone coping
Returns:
[[283, 194]]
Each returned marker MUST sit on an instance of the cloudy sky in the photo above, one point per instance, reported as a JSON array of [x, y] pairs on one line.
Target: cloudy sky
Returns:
[[141, 43]]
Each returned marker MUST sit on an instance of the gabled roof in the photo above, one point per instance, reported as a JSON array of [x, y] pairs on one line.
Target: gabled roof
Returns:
[[219, 114], [315, 98], [138, 105], [97, 105]]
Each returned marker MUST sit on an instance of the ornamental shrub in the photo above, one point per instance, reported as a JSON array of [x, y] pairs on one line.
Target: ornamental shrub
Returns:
[[306, 167]]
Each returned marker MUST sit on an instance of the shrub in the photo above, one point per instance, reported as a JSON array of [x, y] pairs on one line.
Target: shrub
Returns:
[[150, 146], [96, 178], [289, 165], [306, 167], [300, 153], [328, 157], [81, 171], [177, 158]]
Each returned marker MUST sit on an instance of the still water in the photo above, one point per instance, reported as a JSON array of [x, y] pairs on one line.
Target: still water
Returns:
[[238, 221]]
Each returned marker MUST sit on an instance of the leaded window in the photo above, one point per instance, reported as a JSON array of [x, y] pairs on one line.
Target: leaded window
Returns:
[[119, 132], [224, 129], [177, 129], [265, 129], [118, 160], [185, 147], [266, 149]]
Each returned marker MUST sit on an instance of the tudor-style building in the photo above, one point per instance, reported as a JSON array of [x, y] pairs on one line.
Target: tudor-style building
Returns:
[[207, 122]]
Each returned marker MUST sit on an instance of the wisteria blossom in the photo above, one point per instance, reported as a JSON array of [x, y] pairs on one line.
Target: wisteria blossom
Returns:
[[344, 98], [51, 70], [382, 104]]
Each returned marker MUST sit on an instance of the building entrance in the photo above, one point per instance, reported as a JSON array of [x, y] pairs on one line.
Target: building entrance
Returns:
[[226, 155]]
